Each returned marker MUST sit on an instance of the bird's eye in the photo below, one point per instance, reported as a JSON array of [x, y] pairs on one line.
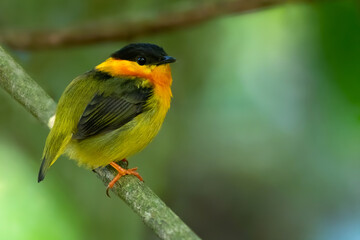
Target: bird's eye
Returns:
[[141, 60]]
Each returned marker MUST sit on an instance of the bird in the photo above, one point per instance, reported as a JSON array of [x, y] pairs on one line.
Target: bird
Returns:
[[112, 111]]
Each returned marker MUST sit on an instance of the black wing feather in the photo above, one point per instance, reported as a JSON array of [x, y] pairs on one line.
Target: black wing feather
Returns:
[[107, 113]]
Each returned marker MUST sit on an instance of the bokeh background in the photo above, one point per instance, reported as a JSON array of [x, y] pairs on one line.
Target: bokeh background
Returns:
[[262, 140]]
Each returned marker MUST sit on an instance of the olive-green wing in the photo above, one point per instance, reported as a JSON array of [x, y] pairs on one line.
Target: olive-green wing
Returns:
[[71, 105], [109, 112]]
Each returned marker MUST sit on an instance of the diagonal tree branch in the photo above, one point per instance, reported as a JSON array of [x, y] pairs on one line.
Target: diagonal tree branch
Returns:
[[155, 214], [95, 32]]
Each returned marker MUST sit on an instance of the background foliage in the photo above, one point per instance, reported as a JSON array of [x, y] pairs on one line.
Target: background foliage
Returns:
[[261, 141]]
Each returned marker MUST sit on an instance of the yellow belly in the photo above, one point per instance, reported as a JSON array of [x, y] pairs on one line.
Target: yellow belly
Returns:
[[116, 145]]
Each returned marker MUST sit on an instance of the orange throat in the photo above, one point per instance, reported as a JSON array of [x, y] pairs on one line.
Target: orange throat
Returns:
[[157, 74]]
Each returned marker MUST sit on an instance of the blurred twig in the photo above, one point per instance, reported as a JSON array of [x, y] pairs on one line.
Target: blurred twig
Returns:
[[155, 214], [125, 30]]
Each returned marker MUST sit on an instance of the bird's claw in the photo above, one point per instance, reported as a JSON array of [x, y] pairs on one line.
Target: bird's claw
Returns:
[[121, 172]]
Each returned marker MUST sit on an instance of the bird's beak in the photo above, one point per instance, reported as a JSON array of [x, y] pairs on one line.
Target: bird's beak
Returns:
[[167, 59]]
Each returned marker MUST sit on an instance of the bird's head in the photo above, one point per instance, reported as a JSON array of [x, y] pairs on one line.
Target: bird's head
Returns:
[[143, 60]]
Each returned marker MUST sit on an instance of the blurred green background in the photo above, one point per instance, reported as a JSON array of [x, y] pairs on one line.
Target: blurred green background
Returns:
[[262, 140]]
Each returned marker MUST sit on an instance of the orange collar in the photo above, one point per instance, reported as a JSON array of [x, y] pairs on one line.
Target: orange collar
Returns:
[[159, 75]]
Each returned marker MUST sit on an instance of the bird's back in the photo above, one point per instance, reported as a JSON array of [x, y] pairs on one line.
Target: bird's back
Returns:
[[70, 108]]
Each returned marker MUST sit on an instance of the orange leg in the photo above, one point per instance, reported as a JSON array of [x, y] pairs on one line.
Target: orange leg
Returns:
[[121, 172]]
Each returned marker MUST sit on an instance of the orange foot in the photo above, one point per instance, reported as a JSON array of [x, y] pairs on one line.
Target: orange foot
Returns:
[[121, 172]]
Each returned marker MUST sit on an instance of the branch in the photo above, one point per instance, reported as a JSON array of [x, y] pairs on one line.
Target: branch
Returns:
[[25, 90], [96, 32], [155, 214]]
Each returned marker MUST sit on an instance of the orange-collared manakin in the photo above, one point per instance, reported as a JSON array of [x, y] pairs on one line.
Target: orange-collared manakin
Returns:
[[112, 111]]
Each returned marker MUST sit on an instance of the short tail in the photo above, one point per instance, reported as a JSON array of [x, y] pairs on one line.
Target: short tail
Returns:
[[46, 163]]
